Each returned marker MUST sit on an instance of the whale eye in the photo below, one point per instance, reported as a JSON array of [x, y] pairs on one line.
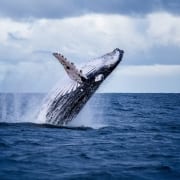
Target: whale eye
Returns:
[[99, 77]]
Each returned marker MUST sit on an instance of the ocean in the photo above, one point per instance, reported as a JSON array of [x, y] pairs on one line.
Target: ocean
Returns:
[[116, 136]]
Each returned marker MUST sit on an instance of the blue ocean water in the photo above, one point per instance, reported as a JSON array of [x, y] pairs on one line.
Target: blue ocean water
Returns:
[[122, 136]]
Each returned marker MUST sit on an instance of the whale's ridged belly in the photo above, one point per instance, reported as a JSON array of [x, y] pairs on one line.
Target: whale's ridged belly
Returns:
[[64, 108]]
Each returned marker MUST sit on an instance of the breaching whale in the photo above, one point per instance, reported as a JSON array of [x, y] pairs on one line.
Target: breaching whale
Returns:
[[67, 101]]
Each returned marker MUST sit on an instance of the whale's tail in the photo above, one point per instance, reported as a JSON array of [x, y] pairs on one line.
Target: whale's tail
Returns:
[[71, 69]]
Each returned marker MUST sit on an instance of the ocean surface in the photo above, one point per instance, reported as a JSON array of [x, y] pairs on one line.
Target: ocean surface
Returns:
[[116, 136]]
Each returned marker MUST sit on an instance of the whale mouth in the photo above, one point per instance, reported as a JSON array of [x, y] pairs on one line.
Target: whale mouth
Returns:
[[121, 53], [114, 58], [117, 49]]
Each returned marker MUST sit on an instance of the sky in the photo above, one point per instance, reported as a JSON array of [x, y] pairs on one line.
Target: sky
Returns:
[[148, 31]]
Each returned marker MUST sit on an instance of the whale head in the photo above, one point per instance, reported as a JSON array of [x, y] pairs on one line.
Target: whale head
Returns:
[[98, 69]]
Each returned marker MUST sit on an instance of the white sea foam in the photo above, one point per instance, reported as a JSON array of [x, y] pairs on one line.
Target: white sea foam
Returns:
[[16, 108], [87, 118]]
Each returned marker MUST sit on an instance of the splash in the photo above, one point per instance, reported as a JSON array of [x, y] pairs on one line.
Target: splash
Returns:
[[21, 107], [41, 115], [88, 117]]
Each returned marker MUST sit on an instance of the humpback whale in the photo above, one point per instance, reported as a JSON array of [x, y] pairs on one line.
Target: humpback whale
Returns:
[[67, 101]]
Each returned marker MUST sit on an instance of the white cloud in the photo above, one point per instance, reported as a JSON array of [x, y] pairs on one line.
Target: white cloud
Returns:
[[26, 47], [164, 28], [149, 78], [29, 76], [36, 77], [9, 26], [150, 70], [92, 34]]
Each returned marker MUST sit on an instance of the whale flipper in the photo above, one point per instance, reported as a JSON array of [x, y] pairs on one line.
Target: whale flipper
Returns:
[[71, 69]]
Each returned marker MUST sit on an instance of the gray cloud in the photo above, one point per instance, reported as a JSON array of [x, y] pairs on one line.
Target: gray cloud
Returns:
[[168, 55], [23, 9], [14, 37], [144, 40]]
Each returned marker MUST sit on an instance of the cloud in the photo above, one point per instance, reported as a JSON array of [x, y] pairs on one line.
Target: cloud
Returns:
[[84, 37], [26, 47], [15, 37], [29, 76], [164, 28], [36, 77], [147, 78], [25, 9]]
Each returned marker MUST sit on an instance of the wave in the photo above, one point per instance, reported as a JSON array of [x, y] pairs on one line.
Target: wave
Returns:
[[37, 125]]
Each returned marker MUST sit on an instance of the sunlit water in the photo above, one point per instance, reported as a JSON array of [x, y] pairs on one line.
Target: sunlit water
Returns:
[[116, 136]]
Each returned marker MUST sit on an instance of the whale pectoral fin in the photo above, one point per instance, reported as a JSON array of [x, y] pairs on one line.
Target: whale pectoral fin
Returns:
[[71, 69]]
